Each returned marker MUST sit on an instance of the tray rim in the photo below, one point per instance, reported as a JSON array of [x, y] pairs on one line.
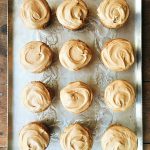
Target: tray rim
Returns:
[[138, 47]]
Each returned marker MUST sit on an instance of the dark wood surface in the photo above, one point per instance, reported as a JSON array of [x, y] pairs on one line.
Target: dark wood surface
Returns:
[[3, 72]]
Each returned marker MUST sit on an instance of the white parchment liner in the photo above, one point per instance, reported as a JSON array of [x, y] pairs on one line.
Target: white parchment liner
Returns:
[[98, 117]]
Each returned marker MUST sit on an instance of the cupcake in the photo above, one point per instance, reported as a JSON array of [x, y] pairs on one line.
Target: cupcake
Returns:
[[118, 55], [113, 13], [76, 137], [34, 135], [72, 14], [74, 55], [35, 13], [118, 137], [36, 56], [119, 95], [36, 97], [76, 97]]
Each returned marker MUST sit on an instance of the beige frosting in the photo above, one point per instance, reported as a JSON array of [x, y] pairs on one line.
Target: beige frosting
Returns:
[[35, 13], [36, 97], [33, 136], [119, 138], [76, 137], [76, 97], [72, 13], [75, 55], [119, 95], [113, 13], [36, 56], [118, 55]]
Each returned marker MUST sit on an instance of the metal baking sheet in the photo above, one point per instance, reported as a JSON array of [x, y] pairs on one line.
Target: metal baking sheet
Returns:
[[97, 75]]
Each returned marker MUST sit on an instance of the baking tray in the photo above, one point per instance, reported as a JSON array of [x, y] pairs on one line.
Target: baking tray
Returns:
[[97, 76]]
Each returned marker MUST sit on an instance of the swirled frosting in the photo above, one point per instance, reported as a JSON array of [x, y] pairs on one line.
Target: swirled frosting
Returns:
[[118, 137], [119, 95], [118, 55], [72, 13], [76, 97], [36, 56], [75, 55], [36, 97], [34, 136], [76, 137], [35, 13], [113, 13]]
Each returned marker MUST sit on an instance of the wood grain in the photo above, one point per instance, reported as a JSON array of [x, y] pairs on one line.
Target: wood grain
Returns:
[[3, 114], [3, 72], [3, 148], [146, 40], [146, 73], [146, 146], [3, 42], [146, 111]]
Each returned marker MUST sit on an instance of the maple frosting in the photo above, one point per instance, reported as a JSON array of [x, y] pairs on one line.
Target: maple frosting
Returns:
[[76, 97], [118, 137], [76, 137], [72, 13], [118, 55], [36, 56], [75, 55], [35, 13], [119, 95], [34, 136], [113, 13], [36, 97]]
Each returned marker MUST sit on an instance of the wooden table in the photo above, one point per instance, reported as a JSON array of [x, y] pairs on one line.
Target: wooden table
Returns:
[[3, 72]]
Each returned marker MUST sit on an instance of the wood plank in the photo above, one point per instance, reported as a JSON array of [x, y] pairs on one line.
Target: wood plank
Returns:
[[146, 146], [3, 114], [146, 72], [3, 42], [146, 111], [3, 73], [146, 40], [3, 70], [3, 148]]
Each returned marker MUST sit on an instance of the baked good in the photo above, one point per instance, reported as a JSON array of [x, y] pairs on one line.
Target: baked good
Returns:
[[76, 137], [118, 55], [34, 135], [75, 55], [118, 137], [35, 13], [76, 97], [36, 96], [113, 13], [36, 56], [119, 95], [72, 13]]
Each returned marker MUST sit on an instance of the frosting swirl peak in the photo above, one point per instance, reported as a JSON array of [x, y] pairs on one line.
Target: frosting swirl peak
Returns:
[[76, 137], [35, 13], [36, 97], [113, 13], [118, 55], [34, 136], [76, 97], [36, 56], [72, 13], [75, 54], [119, 95], [118, 137]]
